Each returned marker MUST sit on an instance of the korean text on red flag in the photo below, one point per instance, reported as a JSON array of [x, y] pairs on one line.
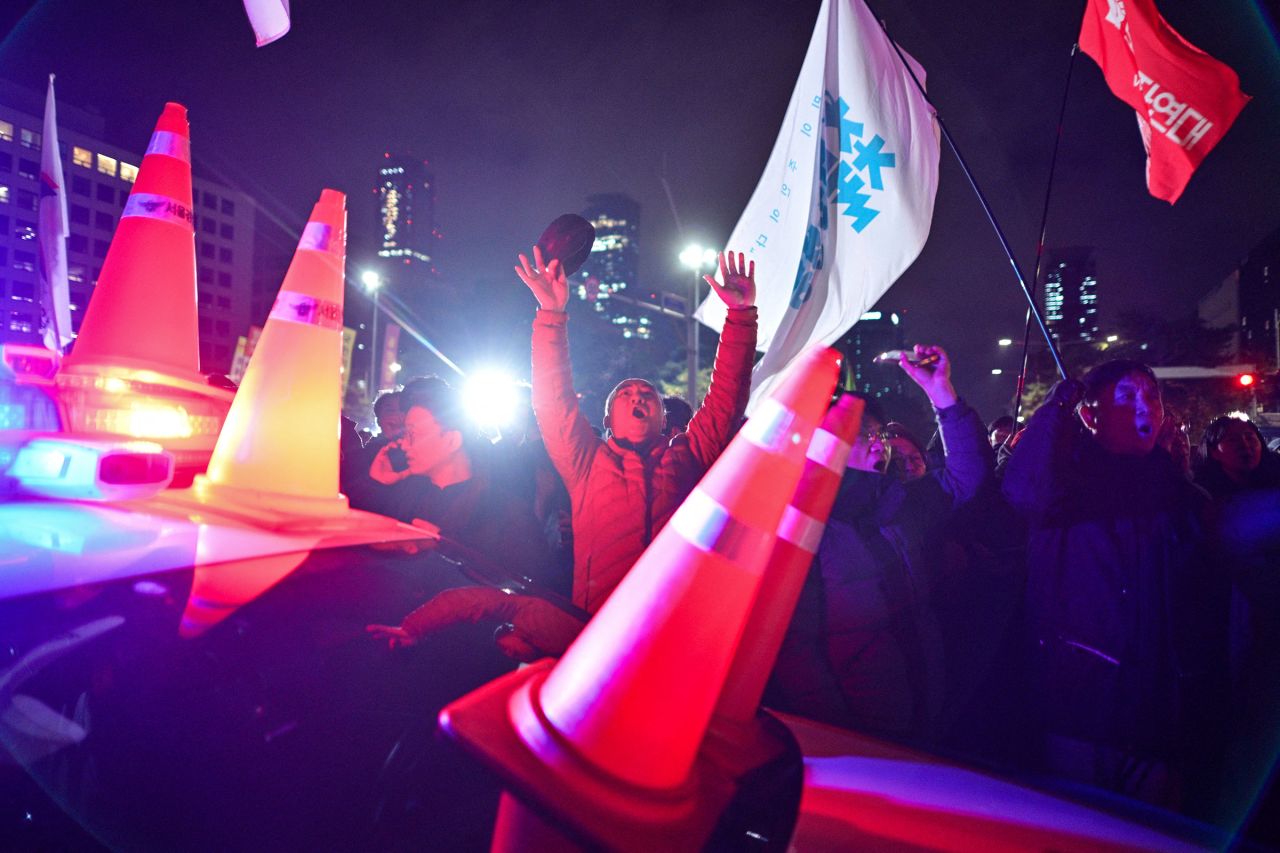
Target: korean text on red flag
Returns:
[[1185, 99]]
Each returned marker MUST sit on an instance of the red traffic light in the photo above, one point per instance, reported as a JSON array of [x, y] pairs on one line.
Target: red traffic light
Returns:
[[1244, 380]]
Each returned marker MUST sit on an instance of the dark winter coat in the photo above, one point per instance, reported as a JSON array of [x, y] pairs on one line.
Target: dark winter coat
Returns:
[[1126, 615], [864, 649]]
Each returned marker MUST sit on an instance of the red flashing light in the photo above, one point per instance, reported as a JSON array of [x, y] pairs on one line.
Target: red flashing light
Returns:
[[1244, 380]]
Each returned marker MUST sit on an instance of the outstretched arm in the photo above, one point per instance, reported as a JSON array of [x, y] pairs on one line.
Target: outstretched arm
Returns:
[[566, 433], [970, 463], [1040, 472], [715, 420]]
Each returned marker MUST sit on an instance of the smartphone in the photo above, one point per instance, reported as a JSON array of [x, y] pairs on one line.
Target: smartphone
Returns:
[[398, 458], [894, 355]]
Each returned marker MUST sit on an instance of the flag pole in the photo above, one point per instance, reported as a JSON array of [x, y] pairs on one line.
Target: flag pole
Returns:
[[1032, 308], [1044, 223]]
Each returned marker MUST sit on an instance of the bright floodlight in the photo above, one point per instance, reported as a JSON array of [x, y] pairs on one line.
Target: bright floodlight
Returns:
[[1005, 342], [490, 398], [371, 279], [695, 257], [1111, 339], [995, 371]]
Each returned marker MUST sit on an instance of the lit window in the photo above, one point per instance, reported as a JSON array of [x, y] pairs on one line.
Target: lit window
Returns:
[[76, 272], [4, 194], [82, 156], [107, 165], [30, 138], [6, 131], [128, 172]]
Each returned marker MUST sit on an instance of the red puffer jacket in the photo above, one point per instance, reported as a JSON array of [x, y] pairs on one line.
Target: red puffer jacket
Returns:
[[621, 498]]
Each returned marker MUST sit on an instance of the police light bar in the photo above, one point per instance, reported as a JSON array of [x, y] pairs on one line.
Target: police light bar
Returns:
[[30, 365], [84, 469]]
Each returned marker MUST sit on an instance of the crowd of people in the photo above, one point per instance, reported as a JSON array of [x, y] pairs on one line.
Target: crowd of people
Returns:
[[1087, 596]]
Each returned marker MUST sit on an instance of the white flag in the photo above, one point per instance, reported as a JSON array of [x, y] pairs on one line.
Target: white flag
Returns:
[[846, 199], [52, 232], [269, 19]]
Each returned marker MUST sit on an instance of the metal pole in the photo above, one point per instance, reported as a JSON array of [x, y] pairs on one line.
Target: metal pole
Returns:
[[1275, 327], [982, 200], [691, 344], [374, 355], [1044, 225]]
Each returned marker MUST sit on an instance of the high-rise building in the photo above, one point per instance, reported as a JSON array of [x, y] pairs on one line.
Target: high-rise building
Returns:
[[407, 211], [1248, 302], [99, 176], [405, 269], [874, 333], [1260, 302], [609, 280], [1071, 294]]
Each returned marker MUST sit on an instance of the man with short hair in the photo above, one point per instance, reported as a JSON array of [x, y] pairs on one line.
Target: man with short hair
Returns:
[[453, 481], [625, 487], [1127, 618]]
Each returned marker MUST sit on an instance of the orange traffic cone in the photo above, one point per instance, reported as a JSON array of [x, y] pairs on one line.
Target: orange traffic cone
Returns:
[[143, 311], [279, 446], [634, 694], [798, 535]]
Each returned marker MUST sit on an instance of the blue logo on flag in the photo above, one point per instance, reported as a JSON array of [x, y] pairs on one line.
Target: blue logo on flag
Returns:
[[849, 178]]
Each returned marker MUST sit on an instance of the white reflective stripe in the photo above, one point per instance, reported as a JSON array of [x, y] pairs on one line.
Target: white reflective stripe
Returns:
[[154, 206], [170, 144], [708, 526], [294, 307], [321, 237], [800, 529], [829, 450], [770, 428]]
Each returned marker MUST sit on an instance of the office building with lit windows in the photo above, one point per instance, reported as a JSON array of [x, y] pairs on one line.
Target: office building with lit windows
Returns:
[[406, 211], [874, 333], [1070, 288], [609, 280], [99, 177]]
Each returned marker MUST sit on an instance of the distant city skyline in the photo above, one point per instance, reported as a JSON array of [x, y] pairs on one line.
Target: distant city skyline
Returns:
[[678, 108]]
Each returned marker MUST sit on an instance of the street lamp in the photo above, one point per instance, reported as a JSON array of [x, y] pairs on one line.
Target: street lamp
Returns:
[[373, 283], [698, 259]]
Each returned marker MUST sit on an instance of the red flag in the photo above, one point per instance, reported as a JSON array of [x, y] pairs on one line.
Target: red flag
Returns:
[[1186, 100]]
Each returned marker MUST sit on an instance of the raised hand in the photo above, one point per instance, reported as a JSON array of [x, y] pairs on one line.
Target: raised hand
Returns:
[[739, 288], [933, 375], [548, 282], [382, 471]]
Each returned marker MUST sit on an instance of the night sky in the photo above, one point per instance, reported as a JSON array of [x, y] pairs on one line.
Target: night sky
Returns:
[[523, 109]]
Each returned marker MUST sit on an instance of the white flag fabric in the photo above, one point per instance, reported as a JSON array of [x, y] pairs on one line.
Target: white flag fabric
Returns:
[[52, 229], [269, 19], [846, 199]]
